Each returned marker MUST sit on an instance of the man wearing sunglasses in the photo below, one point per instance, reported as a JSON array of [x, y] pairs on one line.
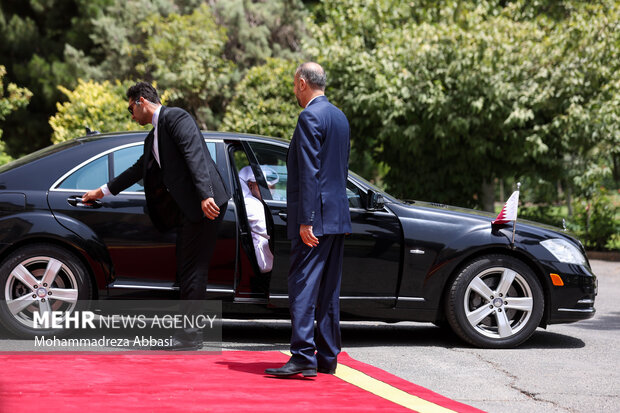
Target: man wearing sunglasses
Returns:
[[183, 189]]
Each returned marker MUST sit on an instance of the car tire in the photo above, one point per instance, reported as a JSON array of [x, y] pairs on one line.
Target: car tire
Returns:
[[41, 277], [496, 301]]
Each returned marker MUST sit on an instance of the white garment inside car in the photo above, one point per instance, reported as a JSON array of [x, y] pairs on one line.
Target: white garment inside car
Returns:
[[258, 224]]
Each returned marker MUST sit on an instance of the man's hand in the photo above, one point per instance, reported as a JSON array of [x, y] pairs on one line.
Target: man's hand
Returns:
[[92, 195], [307, 236], [210, 208]]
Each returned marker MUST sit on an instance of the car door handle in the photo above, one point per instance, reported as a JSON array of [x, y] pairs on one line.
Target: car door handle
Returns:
[[76, 201], [283, 215]]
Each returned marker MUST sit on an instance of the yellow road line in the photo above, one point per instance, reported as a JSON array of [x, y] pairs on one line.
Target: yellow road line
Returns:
[[386, 391]]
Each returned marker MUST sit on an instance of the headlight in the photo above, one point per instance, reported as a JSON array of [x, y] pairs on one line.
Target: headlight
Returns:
[[564, 251]]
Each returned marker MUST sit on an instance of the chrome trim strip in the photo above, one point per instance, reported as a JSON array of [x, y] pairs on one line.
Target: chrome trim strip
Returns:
[[275, 202], [586, 301], [416, 299], [143, 287], [278, 296], [220, 290], [367, 298], [80, 190], [250, 138], [576, 310], [417, 251], [163, 288], [282, 296]]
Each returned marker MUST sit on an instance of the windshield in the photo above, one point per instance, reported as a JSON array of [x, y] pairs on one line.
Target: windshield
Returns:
[[41, 153], [375, 188]]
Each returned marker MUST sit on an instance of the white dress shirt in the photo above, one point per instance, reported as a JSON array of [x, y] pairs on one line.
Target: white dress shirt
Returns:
[[258, 224], [104, 188], [155, 141], [310, 101]]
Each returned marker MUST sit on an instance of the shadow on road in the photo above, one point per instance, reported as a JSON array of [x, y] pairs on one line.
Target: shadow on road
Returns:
[[268, 336], [542, 339], [275, 335]]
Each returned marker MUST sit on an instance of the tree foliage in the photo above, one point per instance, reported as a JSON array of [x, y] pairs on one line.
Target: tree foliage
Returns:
[[455, 96], [261, 29], [98, 106], [185, 54], [17, 97], [445, 98], [264, 101], [117, 37], [33, 35], [198, 52]]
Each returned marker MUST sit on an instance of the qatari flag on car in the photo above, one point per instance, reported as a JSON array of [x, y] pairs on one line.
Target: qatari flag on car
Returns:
[[509, 211]]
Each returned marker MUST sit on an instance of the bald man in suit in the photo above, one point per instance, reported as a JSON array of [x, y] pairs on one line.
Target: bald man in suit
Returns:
[[317, 220]]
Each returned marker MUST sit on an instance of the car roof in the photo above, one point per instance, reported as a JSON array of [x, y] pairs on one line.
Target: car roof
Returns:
[[47, 163], [218, 135]]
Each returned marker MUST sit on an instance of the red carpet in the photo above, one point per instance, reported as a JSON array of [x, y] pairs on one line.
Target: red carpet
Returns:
[[230, 381]]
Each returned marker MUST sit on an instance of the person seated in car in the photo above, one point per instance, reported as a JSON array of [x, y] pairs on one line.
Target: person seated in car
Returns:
[[256, 218]]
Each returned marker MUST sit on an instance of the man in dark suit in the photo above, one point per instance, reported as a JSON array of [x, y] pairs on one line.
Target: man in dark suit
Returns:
[[318, 219], [183, 189]]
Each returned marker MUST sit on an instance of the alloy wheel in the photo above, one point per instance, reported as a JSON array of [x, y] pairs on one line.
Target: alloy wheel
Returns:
[[498, 302], [39, 285]]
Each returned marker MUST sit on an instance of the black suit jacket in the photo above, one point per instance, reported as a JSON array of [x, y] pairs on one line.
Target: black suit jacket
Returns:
[[187, 174]]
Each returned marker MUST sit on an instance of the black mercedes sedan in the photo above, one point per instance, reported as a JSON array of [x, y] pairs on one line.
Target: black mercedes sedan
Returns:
[[404, 261]]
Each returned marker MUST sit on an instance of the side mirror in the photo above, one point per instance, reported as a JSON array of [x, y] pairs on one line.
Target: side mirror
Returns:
[[375, 201]]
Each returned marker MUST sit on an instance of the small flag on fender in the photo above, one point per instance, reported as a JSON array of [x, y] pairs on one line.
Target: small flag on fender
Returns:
[[509, 211]]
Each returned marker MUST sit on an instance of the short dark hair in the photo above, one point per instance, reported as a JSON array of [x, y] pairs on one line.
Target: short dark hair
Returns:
[[313, 74], [145, 90]]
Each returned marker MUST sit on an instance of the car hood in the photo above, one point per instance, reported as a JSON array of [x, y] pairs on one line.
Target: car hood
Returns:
[[480, 216]]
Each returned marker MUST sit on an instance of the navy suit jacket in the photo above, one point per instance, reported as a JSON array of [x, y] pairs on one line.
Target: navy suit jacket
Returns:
[[317, 167], [187, 174]]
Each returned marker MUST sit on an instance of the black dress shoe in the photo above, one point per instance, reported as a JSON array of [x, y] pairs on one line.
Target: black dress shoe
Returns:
[[326, 370], [290, 369], [180, 345]]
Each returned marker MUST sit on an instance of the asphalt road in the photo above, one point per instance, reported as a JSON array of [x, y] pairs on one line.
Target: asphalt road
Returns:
[[566, 368]]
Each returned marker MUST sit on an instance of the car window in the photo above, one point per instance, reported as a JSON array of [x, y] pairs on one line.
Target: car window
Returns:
[[364, 183], [96, 173], [123, 159], [272, 160], [354, 194], [241, 159], [92, 175]]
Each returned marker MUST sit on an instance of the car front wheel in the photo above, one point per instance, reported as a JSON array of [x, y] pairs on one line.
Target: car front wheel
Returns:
[[495, 302], [38, 279]]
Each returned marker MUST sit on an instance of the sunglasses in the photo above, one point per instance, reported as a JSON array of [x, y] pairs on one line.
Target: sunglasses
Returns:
[[130, 108]]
